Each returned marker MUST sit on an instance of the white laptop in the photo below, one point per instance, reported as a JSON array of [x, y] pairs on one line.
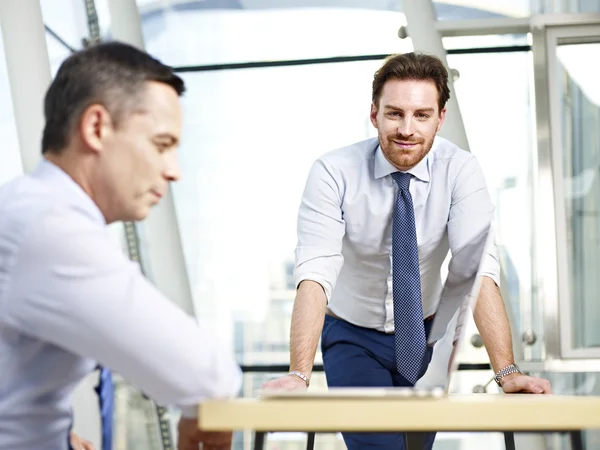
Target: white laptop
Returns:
[[457, 297]]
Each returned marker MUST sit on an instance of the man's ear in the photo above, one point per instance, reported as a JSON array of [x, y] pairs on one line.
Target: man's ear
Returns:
[[442, 119], [94, 126], [373, 115]]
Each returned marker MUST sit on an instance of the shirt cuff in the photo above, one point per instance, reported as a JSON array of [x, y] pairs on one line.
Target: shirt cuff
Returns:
[[317, 279]]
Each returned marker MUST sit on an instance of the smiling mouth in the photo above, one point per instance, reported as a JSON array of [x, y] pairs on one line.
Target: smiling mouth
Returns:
[[405, 145]]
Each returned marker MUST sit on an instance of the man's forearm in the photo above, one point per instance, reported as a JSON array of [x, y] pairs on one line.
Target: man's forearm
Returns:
[[307, 323], [492, 323]]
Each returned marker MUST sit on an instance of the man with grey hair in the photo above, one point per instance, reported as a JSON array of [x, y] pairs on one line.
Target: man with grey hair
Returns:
[[70, 301]]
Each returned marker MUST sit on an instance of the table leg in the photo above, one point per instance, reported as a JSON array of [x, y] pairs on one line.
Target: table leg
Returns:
[[310, 441], [415, 441], [576, 440], [259, 440], [509, 440]]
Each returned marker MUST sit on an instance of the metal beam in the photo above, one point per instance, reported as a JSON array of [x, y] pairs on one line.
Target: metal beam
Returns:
[[125, 22], [482, 27], [28, 67], [421, 21], [161, 247]]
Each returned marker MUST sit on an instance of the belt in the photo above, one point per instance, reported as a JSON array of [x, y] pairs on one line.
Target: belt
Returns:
[[329, 313]]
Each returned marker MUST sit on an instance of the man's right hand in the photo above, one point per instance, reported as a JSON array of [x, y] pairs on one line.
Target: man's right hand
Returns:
[[287, 383], [78, 443]]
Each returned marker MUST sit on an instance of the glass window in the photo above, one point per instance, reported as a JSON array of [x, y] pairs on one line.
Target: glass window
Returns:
[[580, 114], [576, 383], [491, 9], [497, 111], [250, 137], [210, 32], [66, 23], [566, 6]]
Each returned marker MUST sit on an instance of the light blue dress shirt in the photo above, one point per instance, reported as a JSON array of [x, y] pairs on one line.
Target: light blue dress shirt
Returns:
[[345, 226], [70, 299]]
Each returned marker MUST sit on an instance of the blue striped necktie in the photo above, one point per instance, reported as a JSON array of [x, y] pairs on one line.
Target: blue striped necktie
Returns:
[[409, 328], [105, 391]]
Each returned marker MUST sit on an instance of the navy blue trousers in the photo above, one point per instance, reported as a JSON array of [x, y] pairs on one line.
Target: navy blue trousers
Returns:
[[361, 357]]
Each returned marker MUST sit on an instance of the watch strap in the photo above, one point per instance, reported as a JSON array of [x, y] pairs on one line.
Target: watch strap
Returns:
[[512, 368]]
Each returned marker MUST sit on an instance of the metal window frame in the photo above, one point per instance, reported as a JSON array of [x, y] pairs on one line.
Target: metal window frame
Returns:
[[563, 325], [550, 268], [550, 250], [543, 220], [481, 27]]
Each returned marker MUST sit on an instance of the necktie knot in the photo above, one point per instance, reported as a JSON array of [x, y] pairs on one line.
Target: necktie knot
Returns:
[[402, 179]]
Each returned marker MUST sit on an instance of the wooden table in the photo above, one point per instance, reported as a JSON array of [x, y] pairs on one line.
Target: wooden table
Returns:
[[366, 413]]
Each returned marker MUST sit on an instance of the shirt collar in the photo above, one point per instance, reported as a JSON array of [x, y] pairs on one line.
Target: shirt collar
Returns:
[[52, 174], [383, 167]]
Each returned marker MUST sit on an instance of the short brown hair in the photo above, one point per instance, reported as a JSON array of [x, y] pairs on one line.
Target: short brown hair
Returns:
[[413, 66]]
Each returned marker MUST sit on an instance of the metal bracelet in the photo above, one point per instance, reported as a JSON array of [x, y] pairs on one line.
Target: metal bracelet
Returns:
[[512, 368], [300, 375]]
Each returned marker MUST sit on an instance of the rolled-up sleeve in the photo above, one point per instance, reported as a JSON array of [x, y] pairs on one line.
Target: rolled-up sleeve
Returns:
[[470, 220], [469, 230], [74, 288], [491, 261], [320, 228]]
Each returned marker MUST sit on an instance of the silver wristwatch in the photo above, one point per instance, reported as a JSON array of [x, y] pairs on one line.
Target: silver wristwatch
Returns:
[[513, 368]]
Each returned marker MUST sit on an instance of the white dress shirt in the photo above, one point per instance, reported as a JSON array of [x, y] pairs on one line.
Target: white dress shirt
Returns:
[[345, 226], [70, 299]]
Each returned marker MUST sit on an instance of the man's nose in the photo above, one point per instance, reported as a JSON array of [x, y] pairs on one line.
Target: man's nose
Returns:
[[406, 127], [172, 170]]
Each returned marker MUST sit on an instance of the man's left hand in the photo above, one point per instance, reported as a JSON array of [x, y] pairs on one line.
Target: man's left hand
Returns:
[[518, 383]]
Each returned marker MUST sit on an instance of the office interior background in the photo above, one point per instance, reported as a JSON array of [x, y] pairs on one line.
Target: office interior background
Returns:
[[272, 85]]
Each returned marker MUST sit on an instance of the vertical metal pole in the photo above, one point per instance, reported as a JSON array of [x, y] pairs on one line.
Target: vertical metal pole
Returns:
[[421, 24], [125, 22], [545, 270], [28, 67], [163, 258], [509, 440], [577, 440], [310, 441], [259, 440]]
